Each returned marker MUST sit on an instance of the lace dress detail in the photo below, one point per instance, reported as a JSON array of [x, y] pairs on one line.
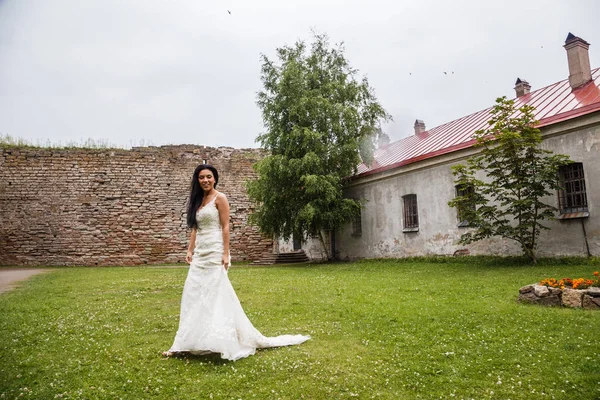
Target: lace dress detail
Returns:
[[212, 319]]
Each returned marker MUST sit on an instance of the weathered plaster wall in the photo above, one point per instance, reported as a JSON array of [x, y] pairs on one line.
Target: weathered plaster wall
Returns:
[[566, 236], [114, 207], [432, 181], [382, 219], [311, 246]]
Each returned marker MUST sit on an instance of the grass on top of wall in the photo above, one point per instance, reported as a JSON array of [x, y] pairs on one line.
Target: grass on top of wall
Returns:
[[8, 141], [389, 329]]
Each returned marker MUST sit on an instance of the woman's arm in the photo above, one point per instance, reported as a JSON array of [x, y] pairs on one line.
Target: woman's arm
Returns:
[[190, 251], [223, 207]]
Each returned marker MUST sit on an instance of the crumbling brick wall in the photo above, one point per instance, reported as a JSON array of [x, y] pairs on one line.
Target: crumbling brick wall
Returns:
[[112, 206]]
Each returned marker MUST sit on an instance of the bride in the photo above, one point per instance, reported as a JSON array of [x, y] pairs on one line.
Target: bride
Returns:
[[212, 319]]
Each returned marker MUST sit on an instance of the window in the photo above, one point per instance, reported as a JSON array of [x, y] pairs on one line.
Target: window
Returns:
[[411, 214], [572, 198], [463, 190], [357, 224]]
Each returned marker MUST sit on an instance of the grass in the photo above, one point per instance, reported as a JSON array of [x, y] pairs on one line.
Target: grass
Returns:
[[8, 141], [412, 329]]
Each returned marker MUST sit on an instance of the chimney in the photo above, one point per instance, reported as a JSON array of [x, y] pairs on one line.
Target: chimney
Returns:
[[419, 126], [580, 72], [522, 87]]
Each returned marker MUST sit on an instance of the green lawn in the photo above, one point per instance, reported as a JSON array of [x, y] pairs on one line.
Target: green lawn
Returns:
[[412, 329]]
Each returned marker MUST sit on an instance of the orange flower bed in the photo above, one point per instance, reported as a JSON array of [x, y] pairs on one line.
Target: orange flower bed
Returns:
[[579, 283]]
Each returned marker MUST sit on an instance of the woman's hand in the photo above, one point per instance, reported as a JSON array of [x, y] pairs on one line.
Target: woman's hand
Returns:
[[225, 262], [191, 246]]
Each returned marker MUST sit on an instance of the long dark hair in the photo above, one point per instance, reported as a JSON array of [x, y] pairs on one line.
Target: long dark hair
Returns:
[[197, 194]]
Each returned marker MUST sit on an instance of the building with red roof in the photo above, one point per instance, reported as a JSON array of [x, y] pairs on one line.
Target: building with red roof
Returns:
[[407, 188]]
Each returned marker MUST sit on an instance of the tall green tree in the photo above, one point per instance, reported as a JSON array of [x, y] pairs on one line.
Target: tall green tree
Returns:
[[516, 174], [320, 120]]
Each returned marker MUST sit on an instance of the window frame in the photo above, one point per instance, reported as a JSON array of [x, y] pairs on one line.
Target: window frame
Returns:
[[410, 213], [461, 190], [572, 195]]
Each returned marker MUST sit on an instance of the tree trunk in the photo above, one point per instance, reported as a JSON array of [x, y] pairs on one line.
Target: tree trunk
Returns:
[[324, 246], [531, 254]]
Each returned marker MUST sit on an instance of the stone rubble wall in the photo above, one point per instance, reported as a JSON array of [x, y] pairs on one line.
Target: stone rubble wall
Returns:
[[113, 206], [567, 297]]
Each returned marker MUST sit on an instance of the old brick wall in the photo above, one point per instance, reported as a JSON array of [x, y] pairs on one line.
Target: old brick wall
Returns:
[[114, 206]]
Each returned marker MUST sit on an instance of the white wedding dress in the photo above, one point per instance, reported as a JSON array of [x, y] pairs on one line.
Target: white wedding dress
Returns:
[[212, 319]]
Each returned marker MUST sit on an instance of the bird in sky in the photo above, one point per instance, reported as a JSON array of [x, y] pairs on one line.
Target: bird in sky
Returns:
[[229, 12]]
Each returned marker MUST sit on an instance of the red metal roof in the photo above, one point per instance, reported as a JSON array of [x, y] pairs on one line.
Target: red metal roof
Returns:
[[553, 104]]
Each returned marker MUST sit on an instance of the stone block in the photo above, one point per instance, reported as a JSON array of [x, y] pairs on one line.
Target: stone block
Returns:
[[541, 291], [555, 291], [528, 297], [593, 291], [551, 300], [591, 303], [526, 289], [572, 298]]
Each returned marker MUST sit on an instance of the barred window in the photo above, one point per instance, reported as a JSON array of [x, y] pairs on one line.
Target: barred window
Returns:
[[463, 190], [411, 213], [572, 196], [357, 224]]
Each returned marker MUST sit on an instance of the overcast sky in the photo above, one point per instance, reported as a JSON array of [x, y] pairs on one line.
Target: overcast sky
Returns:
[[131, 72]]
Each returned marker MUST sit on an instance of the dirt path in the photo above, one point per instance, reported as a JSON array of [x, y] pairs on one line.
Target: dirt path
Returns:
[[9, 277]]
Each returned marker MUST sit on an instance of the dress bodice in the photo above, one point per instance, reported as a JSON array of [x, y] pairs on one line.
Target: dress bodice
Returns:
[[207, 218], [209, 237]]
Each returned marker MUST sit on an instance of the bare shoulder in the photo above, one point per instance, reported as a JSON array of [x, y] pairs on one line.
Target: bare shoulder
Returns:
[[221, 199]]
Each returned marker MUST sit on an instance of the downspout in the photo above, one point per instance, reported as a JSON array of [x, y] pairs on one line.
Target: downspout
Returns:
[[587, 245]]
